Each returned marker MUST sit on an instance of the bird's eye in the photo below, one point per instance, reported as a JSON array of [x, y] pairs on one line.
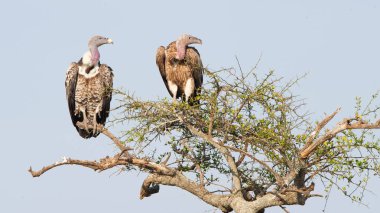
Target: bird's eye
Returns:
[[189, 37]]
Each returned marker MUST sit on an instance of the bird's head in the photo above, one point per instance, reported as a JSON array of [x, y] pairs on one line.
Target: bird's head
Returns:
[[93, 45], [98, 41], [182, 42], [189, 39]]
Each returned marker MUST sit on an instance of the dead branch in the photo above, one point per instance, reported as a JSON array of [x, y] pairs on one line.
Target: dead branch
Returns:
[[109, 162], [101, 165], [345, 124], [106, 163], [319, 127]]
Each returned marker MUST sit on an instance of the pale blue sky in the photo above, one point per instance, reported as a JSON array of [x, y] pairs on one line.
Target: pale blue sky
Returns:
[[336, 42]]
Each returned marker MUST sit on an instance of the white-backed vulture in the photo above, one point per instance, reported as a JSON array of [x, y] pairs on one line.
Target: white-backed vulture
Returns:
[[181, 68], [89, 90]]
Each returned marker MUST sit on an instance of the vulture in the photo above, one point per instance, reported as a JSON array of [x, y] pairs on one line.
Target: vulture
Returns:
[[89, 90], [181, 68]]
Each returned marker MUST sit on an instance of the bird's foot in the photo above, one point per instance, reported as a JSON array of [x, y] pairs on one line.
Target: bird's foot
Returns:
[[175, 101], [83, 125]]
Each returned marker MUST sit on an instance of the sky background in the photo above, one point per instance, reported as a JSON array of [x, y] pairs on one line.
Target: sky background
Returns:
[[335, 42]]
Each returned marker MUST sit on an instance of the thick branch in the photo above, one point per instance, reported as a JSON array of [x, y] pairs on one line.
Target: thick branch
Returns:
[[181, 181], [107, 163], [103, 164], [287, 197]]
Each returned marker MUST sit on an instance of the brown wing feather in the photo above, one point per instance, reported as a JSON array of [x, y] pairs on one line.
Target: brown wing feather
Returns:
[[107, 81], [70, 84], [160, 61]]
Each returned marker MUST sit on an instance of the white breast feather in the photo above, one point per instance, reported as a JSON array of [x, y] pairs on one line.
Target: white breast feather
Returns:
[[86, 60], [92, 73]]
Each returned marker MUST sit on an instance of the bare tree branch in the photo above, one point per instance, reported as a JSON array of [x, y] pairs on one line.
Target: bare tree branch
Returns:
[[344, 125], [179, 180], [319, 127], [107, 163]]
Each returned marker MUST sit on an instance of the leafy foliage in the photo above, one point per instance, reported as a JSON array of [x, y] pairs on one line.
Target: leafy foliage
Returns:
[[264, 128]]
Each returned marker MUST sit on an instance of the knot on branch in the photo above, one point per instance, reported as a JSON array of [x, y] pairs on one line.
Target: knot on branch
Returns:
[[305, 191]]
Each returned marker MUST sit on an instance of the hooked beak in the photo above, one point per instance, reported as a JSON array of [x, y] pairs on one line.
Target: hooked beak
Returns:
[[110, 41], [198, 41]]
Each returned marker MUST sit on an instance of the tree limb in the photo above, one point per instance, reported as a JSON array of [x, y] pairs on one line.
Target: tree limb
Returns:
[[107, 163], [278, 178], [181, 181], [230, 160], [341, 126], [116, 141], [319, 127], [103, 164]]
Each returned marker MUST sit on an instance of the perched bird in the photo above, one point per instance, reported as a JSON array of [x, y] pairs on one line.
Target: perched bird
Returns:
[[89, 89], [181, 68]]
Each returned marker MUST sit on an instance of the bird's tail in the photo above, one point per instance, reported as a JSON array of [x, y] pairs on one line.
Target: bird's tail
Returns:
[[84, 133]]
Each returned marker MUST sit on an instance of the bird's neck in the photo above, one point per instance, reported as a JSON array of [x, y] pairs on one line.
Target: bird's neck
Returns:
[[91, 57], [181, 50], [88, 62]]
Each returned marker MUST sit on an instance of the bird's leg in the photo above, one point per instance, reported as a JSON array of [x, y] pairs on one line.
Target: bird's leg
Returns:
[[94, 122], [94, 125], [173, 89], [83, 124], [189, 88]]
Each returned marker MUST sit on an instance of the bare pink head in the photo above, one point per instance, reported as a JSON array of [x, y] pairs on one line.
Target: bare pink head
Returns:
[[182, 42], [94, 43]]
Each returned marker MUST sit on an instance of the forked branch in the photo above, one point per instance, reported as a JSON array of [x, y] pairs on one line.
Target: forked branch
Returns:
[[108, 163], [123, 158], [319, 127], [345, 124], [101, 165]]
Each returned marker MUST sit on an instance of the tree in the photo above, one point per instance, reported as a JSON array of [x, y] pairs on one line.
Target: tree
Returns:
[[247, 146]]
